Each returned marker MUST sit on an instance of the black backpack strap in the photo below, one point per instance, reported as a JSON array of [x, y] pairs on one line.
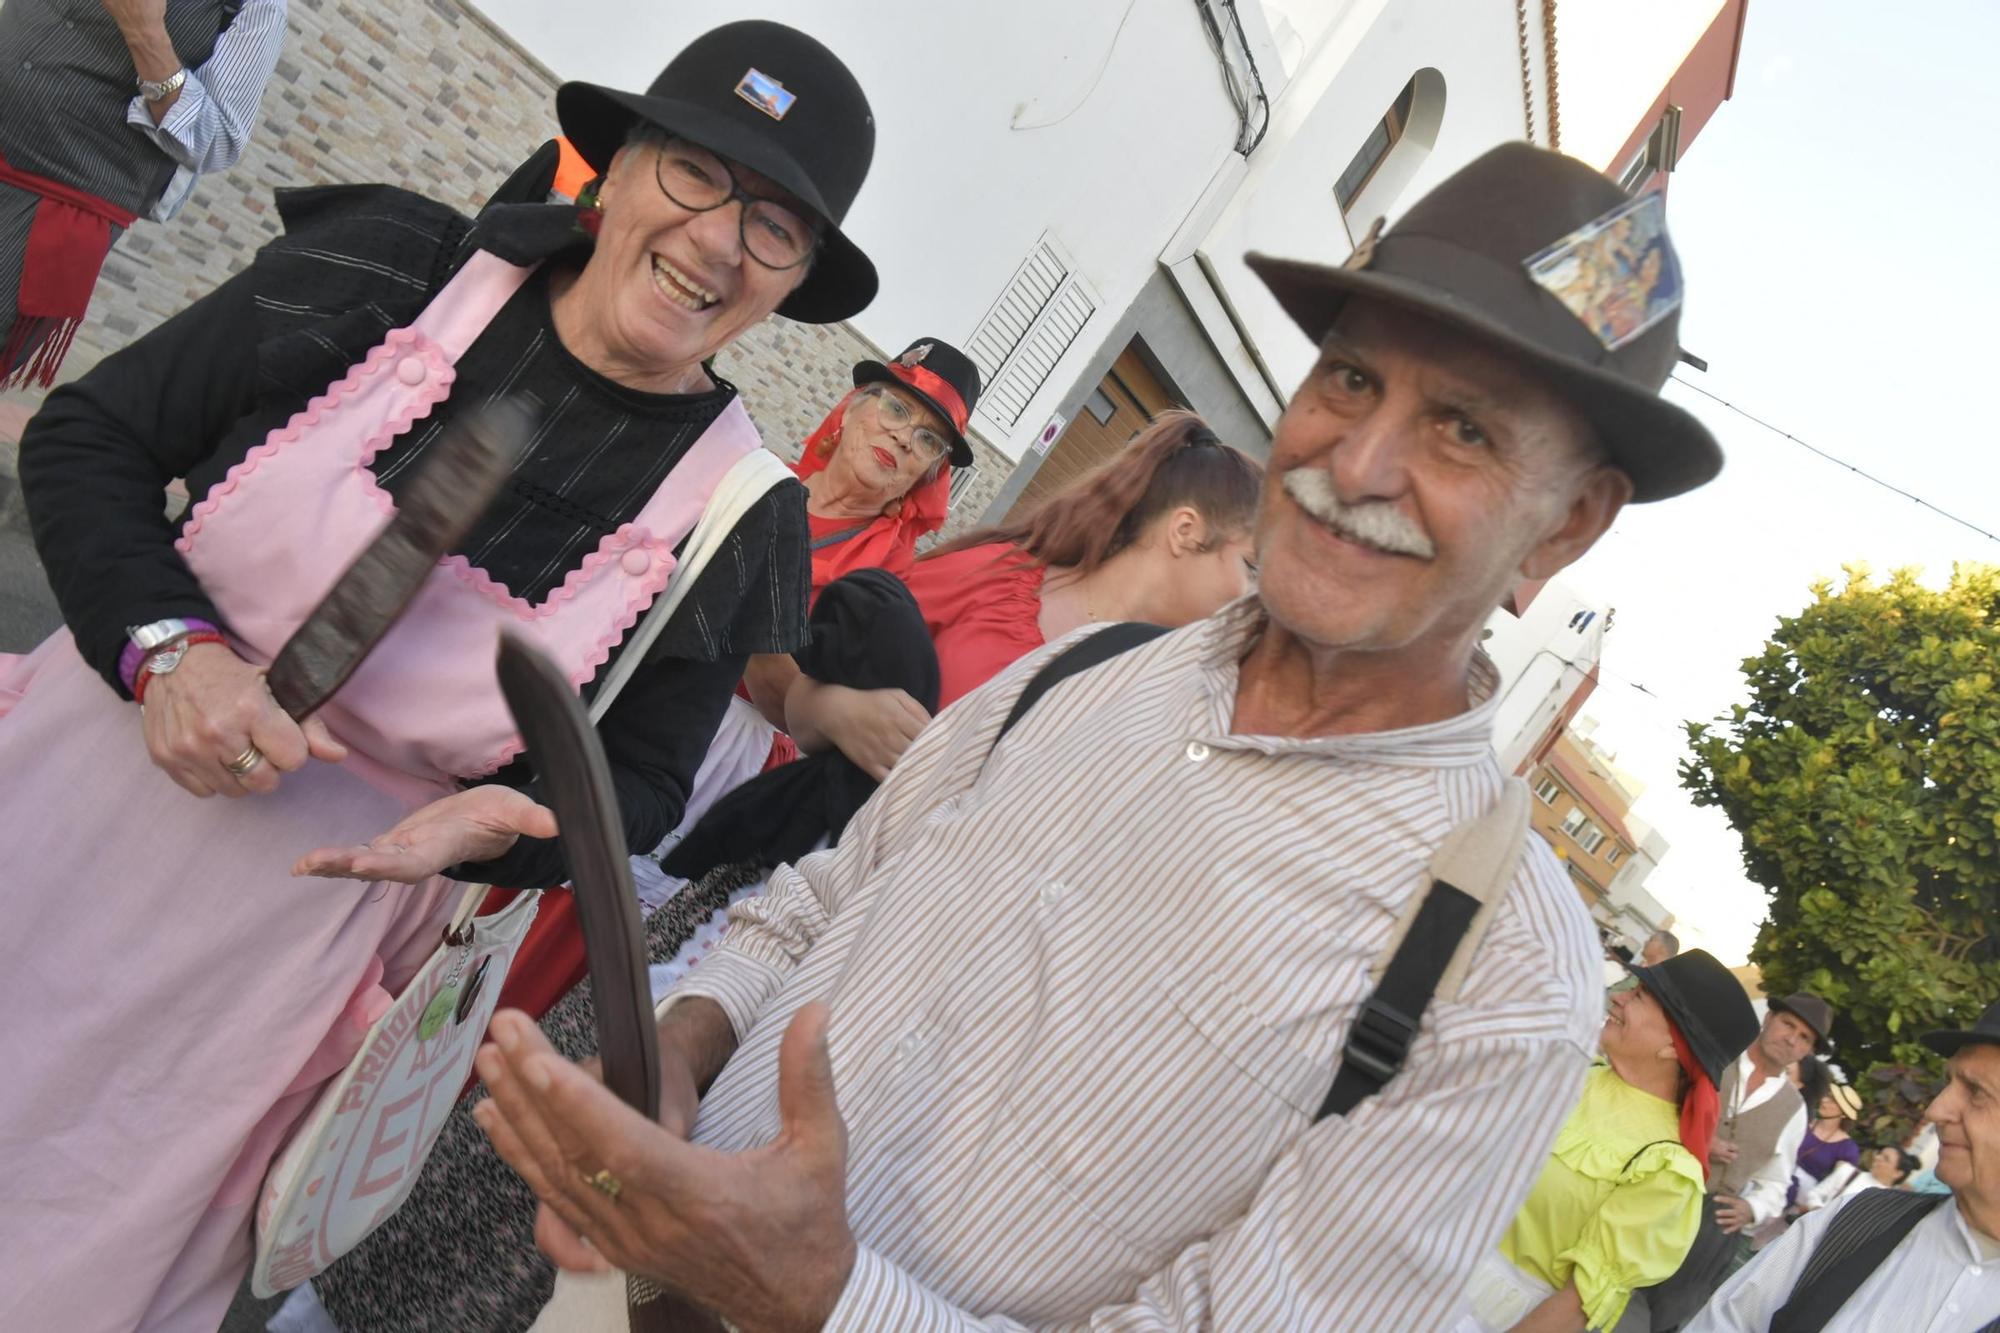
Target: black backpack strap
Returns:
[[1858, 1237], [1379, 1041], [1118, 637], [1469, 876]]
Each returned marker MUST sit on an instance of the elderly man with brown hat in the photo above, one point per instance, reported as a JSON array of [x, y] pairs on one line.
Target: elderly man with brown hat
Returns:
[[1105, 1023], [1750, 1162]]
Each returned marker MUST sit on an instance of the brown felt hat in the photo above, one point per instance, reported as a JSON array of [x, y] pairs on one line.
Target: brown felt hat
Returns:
[[1554, 265], [1814, 1012]]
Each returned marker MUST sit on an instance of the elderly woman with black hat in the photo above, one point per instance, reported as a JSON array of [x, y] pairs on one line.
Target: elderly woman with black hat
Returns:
[[1618, 1201], [188, 998]]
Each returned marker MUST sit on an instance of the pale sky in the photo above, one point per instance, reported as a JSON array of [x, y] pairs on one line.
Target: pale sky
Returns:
[[1834, 221]]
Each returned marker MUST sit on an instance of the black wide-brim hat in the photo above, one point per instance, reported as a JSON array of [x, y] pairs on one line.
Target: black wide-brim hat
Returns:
[[1461, 256], [942, 376], [1985, 1032], [1814, 1012], [778, 102], [1707, 1004]]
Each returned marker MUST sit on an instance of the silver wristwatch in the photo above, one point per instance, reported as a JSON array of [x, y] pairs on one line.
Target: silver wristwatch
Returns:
[[165, 88], [158, 634], [162, 661]]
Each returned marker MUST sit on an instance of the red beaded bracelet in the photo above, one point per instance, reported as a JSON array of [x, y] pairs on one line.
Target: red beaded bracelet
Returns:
[[146, 667]]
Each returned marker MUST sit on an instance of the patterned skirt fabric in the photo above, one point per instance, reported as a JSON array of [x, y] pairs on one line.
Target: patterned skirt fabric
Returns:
[[460, 1254]]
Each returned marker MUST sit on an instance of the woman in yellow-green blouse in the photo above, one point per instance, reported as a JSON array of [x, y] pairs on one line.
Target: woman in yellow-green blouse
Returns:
[[1618, 1200]]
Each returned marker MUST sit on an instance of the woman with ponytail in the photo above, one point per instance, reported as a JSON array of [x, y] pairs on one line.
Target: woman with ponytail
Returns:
[[1618, 1201], [1159, 533]]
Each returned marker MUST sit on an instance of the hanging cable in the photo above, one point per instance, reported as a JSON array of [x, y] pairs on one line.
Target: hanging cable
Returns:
[[1247, 96], [1838, 462]]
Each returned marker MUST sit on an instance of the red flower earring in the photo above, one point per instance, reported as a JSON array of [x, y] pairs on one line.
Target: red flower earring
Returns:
[[590, 211]]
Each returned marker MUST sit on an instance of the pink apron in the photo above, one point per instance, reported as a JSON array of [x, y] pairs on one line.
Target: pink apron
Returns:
[[172, 998]]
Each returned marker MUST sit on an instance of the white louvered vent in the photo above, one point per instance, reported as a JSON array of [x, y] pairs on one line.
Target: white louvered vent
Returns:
[[1025, 334], [962, 479]]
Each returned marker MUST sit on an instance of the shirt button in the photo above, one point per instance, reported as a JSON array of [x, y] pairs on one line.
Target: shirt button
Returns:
[[636, 561], [411, 370], [27, 64], [908, 1047], [1197, 751], [1051, 894]]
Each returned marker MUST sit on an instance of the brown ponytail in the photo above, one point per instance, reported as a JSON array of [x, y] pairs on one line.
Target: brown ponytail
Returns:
[[1177, 460]]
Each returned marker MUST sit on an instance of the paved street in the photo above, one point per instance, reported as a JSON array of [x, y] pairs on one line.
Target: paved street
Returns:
[[27, 611]]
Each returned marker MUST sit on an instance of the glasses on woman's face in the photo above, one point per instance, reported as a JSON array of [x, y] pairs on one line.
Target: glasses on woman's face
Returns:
[[896, 415], [699, 181]]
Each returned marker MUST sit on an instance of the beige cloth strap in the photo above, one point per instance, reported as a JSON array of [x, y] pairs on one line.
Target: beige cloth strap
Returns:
[[1479, 858]]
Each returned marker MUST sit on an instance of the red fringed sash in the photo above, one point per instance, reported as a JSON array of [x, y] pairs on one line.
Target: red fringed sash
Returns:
[[67, 243]]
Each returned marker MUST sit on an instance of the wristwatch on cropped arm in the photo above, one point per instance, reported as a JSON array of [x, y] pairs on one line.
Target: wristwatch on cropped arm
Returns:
[[164, 88]]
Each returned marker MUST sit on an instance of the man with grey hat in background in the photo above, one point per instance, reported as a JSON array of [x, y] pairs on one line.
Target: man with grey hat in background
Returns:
[[1086, 1026], [1749, 1164], [1889, 1258]]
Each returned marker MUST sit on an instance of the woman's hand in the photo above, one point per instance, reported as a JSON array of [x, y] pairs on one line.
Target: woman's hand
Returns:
[[870, 727], [477, 824], [213, 709]]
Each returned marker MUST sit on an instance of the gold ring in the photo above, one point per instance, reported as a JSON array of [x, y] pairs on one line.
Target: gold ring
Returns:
[[243, 764], [604, 1183]]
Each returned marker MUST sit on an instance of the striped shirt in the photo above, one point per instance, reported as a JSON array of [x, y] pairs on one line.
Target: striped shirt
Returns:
[[209, 124], [1943, 1278], [1088, 993]]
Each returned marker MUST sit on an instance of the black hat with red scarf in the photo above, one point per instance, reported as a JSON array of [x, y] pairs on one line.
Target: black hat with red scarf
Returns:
[[939, 374]]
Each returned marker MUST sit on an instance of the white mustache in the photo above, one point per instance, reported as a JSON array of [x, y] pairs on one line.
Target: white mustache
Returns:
[[1378, 523]]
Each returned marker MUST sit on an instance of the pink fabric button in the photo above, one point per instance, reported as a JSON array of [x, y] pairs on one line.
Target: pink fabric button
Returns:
[[411, 370], [637, 561]]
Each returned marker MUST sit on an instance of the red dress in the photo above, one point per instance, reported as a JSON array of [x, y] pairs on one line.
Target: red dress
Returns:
[[983, 607]]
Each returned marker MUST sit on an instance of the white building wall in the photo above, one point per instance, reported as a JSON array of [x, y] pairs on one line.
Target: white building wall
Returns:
[[1286, 204], [1543, 659]]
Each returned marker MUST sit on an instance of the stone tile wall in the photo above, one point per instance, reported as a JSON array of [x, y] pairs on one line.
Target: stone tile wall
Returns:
[[428, 94]]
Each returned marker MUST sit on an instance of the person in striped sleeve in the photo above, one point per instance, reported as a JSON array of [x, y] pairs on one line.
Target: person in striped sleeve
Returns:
[[1043, 1041]]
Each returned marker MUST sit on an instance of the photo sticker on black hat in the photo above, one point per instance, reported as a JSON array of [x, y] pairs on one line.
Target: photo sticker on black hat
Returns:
[[1617, 273], [765, 93]]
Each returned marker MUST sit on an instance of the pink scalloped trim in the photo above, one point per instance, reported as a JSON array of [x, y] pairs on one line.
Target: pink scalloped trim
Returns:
[[397, 344], [634, 607], [591, 662], [614, 546]]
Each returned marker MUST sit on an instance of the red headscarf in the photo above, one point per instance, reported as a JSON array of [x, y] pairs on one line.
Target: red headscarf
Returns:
[[887, 542], [1701, 1108]]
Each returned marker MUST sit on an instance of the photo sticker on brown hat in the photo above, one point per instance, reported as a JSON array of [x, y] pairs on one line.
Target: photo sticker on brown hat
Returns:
[[1617, 273]]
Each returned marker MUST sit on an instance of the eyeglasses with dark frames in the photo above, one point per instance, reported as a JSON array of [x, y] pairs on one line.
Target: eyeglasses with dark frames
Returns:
[[699, 181]]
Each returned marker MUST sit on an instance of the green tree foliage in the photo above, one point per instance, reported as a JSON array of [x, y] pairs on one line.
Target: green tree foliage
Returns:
[[1864, 778]]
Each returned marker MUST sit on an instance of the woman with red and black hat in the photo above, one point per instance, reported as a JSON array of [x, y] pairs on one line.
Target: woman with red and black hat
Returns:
[[877, 473], [1617, 1203], [189, 997]]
